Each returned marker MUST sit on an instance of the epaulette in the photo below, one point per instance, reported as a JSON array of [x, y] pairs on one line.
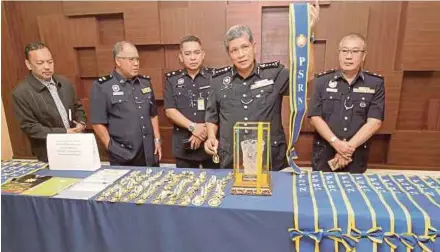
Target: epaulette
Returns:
[[144, 77], [373, 74], [274, 64], [325, 72], [173, 73], [103, 79], [222, 70]]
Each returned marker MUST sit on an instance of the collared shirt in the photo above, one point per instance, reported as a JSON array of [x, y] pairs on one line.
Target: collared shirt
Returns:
[[257, 98], [189, 96], [346, 108], [126, 107]]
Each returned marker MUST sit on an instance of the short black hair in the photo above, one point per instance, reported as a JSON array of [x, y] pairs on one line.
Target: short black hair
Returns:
[[32, 47], [190, 38]]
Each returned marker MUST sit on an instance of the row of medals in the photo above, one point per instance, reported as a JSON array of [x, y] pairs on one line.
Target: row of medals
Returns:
[[169, 188]]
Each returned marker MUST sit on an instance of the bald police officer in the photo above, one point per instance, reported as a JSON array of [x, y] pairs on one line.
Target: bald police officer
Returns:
[[185, 97], [123, 111], [346, 108], [247, 91]]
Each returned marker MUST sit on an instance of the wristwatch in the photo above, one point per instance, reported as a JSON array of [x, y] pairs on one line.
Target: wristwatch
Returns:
[[333, 139], [158, 140], [192, 127]]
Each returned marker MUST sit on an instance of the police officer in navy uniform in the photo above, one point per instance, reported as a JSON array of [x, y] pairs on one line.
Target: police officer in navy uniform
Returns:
[[247, 91], [123, 111], [346, 108], [185, 97]]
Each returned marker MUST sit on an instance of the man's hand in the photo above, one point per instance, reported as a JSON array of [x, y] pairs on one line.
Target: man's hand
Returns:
[[195, 142], [158, 149], [339, 162], [200, 131], [314, 14], [343, 148], [211, 146], [77, 129]]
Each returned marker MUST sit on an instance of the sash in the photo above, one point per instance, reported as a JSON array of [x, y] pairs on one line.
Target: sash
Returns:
[[299, 37]]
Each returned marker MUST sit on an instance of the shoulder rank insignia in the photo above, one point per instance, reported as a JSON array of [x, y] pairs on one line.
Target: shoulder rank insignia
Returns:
[[373, 74], [145, 77], [173, 73], [325, 72], [103, 79], [222, 70], [274, 64]]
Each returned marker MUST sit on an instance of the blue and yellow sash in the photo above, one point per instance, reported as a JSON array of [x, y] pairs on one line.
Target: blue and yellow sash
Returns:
[[299, 48]]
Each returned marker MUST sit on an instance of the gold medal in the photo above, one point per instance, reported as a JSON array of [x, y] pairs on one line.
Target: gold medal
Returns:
[[216, 158]]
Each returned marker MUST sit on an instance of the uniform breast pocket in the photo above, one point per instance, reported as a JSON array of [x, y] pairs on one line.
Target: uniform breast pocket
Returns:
[[181, 98], [361, 103], [118, 103], [227, 101], [262, 94], [329, 102]]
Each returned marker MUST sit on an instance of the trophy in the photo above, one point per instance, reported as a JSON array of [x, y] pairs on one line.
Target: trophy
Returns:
[[252, 164]]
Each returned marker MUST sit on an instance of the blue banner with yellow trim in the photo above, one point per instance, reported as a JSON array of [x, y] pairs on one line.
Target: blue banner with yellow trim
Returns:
[[299, 48]]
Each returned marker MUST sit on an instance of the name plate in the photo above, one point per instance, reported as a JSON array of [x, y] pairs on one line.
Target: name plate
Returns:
[[73, 152]]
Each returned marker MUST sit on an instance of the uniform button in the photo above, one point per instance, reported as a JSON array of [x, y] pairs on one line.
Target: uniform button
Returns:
[[348, 97], [331, 97], [142, 117], [224, 96], [245, 118], [195, 113], [143, 136], [275, 142], [194, 85], [122, 145], [262, 91], [179, 93], [177, 129], [139, 106], [363, 98], [344, 139], [143, 127], [120, 100], [245, 106], [244, 83], [317, 142], [135, 97], [244, 95], [346, 118], [345, 129]]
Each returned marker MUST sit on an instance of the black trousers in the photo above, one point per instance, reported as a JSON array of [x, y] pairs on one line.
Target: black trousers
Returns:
[[185, 163], [138, 160]]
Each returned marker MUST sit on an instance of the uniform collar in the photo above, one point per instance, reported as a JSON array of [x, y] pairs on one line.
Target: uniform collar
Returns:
[[202, 73], [255, 71], [40, 85], [338, 75], [122, 80]]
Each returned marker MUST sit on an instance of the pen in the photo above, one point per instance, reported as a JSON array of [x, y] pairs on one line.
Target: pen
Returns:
[[70, 115]]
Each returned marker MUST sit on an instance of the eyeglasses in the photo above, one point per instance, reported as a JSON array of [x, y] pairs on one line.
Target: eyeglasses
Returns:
[[130, 59], [352, 51]]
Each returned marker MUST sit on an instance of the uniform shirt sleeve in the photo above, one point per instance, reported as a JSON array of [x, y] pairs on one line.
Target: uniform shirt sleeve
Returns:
[[169, 101], [377, 106], [153, 106], [283, 78], [211, 113], [315, 105], [98, 105]]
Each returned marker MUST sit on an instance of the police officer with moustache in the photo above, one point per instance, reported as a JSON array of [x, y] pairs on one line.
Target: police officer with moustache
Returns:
[[123, 111], [185, 97], [346, 108], [247, 91]]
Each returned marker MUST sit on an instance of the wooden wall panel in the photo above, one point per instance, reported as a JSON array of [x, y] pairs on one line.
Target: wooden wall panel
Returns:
[[417, 89], [424, 148], [422, 35], [142, 27], [401, 36]]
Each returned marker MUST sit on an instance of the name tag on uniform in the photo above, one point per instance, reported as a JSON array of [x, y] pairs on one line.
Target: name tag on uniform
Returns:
[[365, 90], [261, 83], [204, 87], [333, 90], [200, 104], [118, 93], [146, 90]]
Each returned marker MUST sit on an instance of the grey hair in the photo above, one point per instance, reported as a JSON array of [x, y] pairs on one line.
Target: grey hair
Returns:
[[354, 35], [119, 47], [237, 31]]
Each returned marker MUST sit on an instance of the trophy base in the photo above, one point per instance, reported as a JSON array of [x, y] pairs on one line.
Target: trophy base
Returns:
[[241, 190]]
